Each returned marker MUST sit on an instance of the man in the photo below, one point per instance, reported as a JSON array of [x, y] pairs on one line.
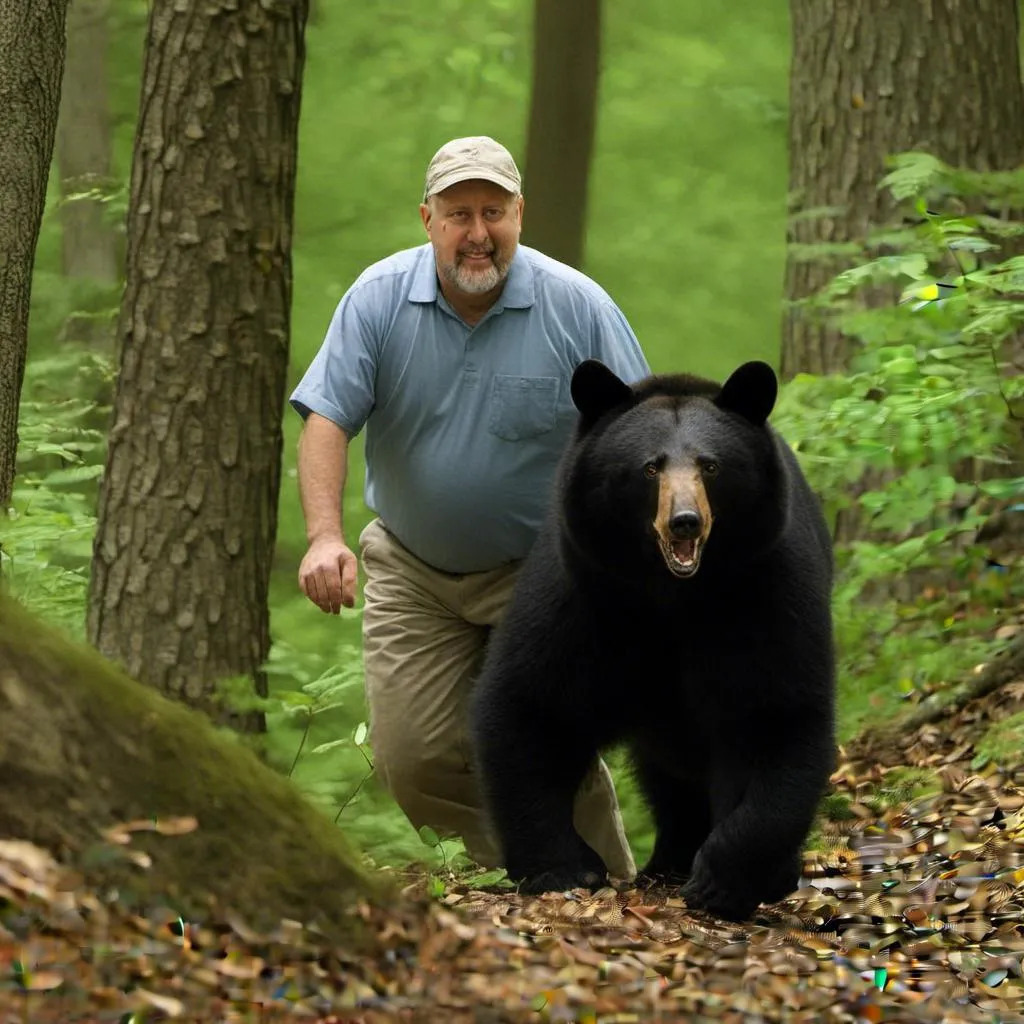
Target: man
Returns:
[[457, 357]]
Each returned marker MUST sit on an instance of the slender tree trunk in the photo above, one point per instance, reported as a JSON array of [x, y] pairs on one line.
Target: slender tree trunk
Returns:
[[31, 65], [188, 503], [871, 78], [89, 244], [563, 112]]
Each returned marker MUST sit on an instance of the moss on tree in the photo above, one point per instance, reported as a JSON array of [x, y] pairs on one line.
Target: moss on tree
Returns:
[[84, 747]]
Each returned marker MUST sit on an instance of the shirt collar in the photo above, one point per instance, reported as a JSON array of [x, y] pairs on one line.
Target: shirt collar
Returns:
[[518, 292]]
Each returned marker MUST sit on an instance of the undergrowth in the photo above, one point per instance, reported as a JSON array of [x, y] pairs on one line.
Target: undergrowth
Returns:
[[921, 437]]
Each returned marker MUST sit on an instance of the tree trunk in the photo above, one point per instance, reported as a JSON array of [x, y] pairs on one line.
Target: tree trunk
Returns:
[[84, 748], [31, 65], [188, 503], [89, 245], [563, 105], [875, 77]]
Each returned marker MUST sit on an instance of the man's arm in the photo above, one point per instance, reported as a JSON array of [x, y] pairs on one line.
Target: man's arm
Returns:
[[327, 575], [335, 397], [323, 467]]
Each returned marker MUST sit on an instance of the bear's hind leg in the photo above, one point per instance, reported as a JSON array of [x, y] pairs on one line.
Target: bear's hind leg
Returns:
[[682, 817]]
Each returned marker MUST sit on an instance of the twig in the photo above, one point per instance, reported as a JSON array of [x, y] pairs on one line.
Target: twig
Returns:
[[352, 796], [302, 742]]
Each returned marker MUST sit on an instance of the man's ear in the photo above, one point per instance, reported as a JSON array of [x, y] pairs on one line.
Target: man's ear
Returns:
[[596, 390], [425, 215]]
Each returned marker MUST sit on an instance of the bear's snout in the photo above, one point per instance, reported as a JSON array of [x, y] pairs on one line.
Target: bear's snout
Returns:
[[686, 524]]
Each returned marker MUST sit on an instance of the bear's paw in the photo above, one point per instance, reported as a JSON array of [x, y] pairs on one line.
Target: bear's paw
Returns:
[[561, 879], [724, 898]]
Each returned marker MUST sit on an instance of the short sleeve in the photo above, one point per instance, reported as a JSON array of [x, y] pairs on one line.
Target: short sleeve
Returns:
[[340, 381], [615, 344]]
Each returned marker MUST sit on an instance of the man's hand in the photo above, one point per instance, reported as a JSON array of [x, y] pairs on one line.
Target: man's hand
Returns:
[[327, 575]]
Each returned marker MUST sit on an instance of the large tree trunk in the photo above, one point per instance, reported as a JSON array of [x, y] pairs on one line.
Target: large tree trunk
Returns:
[[31, 65], [89, 245], [84, 748], [875, 77], [563, 105], [188, 504]]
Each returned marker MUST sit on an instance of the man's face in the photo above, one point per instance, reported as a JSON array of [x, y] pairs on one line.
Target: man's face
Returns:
[[474, 227]]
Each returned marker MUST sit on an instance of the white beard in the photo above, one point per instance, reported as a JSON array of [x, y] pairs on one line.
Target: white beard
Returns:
[[475, 282]]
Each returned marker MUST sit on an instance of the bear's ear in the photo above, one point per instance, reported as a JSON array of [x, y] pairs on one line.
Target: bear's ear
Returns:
[[595, 389], [750, 391]]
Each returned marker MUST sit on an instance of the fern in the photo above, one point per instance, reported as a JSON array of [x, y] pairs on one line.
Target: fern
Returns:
[[46, 536]]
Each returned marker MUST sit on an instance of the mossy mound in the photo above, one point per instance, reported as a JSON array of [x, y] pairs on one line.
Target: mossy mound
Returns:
[[83, 747]]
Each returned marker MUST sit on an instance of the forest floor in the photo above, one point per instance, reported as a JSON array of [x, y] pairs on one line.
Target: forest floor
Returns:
[[911, 909]]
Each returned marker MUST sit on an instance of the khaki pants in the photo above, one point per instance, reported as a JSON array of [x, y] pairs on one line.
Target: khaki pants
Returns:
[[423, 640]]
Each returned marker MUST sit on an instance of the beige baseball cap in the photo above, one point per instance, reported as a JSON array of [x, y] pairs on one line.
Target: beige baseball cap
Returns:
[[476, 156]]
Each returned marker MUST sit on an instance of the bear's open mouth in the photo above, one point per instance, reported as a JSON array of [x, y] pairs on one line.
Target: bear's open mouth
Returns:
[[682, 556]]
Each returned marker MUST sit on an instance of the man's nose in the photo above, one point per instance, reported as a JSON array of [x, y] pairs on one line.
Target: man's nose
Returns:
[[478, 230]]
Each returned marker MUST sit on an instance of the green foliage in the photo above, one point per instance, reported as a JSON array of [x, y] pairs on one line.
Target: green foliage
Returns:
[[836, 807], [902, 786], [46, 537], [1002, 743], [930, 408]]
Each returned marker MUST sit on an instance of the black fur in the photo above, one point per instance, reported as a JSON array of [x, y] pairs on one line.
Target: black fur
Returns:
[[720, 684]]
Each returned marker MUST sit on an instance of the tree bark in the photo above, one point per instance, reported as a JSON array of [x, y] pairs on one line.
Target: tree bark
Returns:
[[31, 65], [89, 245], [188, 502], [871, 78], [560, 138], [84, 748]]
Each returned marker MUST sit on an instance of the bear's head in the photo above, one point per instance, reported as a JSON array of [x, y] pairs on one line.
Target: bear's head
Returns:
[[674, 473]]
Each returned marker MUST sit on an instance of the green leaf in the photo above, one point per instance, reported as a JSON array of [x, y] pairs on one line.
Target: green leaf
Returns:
[[904, 365], [489, 878], [74, 475], [972, 243], [294, 699], [1002, 489], [360, 734], [63, 451], [428, 836], [320, 709], [322, 748]]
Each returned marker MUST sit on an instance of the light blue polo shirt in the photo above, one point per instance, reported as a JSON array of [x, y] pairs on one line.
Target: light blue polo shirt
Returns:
[[464, 425]]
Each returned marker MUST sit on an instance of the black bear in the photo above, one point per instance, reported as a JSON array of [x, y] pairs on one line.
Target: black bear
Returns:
[[677, 599]]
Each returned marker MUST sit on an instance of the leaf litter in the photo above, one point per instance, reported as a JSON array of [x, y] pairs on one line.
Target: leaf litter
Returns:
[[912, 912]]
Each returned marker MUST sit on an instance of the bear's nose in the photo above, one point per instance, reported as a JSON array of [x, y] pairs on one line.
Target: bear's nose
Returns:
[[685, 525]]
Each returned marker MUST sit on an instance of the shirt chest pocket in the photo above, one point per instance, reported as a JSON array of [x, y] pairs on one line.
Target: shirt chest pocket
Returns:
[[523, 407]]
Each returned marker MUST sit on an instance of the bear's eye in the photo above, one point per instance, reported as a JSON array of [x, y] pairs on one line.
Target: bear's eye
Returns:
[[709, 468], [650, 469]]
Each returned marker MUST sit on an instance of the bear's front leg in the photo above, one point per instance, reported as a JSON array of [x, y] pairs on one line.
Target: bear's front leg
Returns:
[[752, 855], [681, 810], [530, 775]]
